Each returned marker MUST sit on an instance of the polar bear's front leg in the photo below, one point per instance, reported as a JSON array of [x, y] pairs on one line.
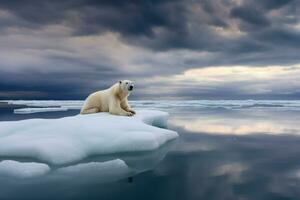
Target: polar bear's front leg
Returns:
[[115, 109], [126, 106]]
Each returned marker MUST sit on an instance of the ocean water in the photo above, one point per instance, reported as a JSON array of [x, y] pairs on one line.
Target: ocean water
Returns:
[[226, 150]]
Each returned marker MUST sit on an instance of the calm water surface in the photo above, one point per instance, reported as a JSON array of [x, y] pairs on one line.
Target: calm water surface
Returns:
[[221, 154]]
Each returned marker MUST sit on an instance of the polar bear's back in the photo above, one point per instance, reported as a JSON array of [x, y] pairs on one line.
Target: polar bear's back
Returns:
[[99, 99]]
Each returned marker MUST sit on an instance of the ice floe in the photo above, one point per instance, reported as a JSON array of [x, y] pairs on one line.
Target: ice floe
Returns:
[[104, 171], [36, 106], [17, 169], [100, 169], [46, 103], [71, 139], [37, 110]]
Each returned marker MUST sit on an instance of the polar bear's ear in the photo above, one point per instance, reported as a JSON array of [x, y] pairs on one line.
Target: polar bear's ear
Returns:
[[120, 82]]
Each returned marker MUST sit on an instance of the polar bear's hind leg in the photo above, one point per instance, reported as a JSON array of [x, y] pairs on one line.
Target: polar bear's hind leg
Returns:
[[90, 111]]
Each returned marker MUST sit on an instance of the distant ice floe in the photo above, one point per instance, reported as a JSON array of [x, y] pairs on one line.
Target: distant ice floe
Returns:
[[37, 110], [71, 139], [47, 103], [226, 104], [36, 106], [53, 105]]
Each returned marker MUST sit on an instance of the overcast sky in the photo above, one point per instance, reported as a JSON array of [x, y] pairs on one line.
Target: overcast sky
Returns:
[[172, 49]]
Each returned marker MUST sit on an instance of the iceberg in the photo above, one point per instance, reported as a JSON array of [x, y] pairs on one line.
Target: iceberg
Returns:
[[100, 169], [67, 140]]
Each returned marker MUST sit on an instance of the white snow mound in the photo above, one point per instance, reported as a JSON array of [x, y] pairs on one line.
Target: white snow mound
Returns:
[[71, 139]]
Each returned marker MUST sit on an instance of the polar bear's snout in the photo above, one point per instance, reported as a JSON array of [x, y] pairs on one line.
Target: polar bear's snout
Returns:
[[130, 85], [130, 88]]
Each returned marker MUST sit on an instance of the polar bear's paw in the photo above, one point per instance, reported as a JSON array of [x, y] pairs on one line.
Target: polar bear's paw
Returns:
[[129, 114], [132, 111]]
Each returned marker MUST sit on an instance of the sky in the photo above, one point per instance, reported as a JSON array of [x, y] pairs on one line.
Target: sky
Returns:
[[171, 49]]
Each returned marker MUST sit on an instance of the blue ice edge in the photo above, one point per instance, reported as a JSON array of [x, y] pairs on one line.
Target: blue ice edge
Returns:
[[68, 140]]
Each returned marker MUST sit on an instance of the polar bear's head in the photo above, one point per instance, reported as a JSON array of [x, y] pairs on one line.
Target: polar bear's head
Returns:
[[126, 85]]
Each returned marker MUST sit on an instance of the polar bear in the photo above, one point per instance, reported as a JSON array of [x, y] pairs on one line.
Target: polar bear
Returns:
[[112, 100]]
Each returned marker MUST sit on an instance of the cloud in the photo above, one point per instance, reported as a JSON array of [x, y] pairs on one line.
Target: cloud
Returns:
[[243, 81], [251, 16], [80, 46]]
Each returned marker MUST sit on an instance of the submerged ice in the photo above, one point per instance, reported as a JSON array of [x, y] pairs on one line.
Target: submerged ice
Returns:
[[71, 139], [17, 169]]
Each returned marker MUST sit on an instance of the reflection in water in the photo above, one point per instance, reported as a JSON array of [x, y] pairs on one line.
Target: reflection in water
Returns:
[[241, 164], [240, 122]]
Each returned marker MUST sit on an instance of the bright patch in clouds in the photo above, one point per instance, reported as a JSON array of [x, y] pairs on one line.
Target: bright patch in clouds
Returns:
[[237, 73], [241, 79]]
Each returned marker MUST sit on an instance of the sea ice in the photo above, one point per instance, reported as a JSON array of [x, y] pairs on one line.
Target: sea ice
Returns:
[[104, 171], [46, 103], [163, 105], [37, 110], [22, 169], [71, 139]]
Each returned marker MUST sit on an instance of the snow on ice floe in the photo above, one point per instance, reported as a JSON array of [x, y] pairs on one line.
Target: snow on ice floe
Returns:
[[71, 139], [17, 169]]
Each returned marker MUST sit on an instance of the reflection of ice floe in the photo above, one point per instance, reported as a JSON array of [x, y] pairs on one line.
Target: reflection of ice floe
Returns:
[[230, 168], [70, 139], [233, 170], [165, 105], [17, 169]]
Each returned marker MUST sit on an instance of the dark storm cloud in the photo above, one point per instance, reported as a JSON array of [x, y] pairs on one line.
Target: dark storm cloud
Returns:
[[230, 32], [280, 37], [128, 17], [56, 85], [182, 24], [250, 15], [273, 4]]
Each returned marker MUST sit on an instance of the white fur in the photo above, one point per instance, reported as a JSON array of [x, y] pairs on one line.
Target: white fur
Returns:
[[112, 100]]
